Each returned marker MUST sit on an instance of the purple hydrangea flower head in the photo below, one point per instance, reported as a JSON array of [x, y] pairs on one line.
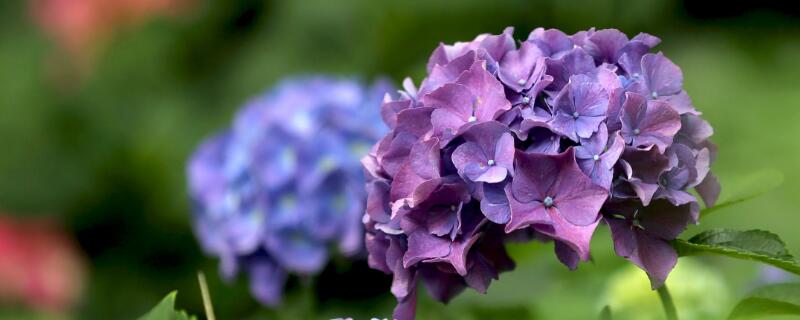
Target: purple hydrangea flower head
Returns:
[[546, 138], [273, 193]]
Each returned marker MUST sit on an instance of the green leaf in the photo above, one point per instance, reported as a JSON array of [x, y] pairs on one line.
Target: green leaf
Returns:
[[165, 310], [776, 299], [747, 188], [758, 245], [605, 314]]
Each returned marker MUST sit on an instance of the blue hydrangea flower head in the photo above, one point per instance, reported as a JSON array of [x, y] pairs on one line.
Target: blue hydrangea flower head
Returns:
[[275, 192]]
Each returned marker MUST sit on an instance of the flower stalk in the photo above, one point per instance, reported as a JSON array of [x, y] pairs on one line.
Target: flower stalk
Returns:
[[666, 301]]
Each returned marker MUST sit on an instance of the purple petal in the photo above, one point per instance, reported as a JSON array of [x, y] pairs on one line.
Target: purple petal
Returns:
[[566, 255], [576, 61], [552, 41], [442, 286], [543, 141], [709, 190], [406, 308], [377, 247], [453, 105], [489, 96], [580, 108], [656, 257], [664, 220], [448, 73], [646, 123], [494, 204], [487, 153], [694, 130], [535, 175], [578, 199], [680, 102], [390, 108], [457, 257], [661, 75], [424, 246], [524, 214], [266, 281], [517, 66], [604, 45]]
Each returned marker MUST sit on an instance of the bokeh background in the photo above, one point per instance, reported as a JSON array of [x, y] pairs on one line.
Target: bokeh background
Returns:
[[102, 101]]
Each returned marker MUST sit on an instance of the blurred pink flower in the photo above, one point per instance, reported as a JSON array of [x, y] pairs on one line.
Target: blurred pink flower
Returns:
[[41, 266], [79, 27]]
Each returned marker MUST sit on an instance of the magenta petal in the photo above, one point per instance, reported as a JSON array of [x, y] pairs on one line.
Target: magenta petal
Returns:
[[443, 74]]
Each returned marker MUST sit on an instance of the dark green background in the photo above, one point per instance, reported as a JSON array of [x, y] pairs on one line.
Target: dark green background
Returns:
[[106, 157]]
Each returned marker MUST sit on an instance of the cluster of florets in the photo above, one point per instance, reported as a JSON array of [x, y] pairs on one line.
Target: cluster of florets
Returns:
[[546, 139], [280, 187]]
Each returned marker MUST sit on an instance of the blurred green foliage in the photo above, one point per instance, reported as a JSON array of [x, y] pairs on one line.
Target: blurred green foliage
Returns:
[[105, 155]]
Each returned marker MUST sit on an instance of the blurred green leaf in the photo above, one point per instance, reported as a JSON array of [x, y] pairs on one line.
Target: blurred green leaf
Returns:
[[747, 188], [165, 310], [758, 245], [777, 299], [605, 314]]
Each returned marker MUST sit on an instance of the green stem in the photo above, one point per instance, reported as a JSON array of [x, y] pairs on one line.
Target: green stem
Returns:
[[666, 301], [206, 296]]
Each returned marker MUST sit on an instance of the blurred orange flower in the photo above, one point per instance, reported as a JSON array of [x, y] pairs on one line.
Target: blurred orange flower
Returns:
[[40, 267]]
